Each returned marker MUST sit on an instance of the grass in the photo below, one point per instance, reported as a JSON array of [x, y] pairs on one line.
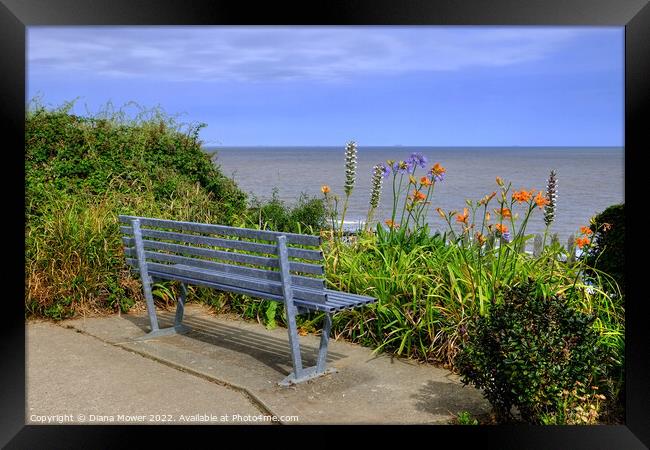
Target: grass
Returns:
[[426, 296]]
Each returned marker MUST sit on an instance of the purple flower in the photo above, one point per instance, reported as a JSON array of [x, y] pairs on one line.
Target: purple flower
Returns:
[[385, 170], [410, 165], [402, 167], [506, 236], [417, 159]]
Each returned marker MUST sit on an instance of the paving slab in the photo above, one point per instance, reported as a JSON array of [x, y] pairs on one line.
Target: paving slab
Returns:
[[249, 358], [73, 378]]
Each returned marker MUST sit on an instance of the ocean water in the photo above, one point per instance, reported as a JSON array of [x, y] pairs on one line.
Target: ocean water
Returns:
[[589, 179]]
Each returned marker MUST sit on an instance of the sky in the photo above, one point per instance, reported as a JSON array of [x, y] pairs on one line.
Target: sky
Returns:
[[377, 85]]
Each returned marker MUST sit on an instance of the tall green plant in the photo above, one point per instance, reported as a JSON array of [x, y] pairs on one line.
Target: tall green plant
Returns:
[[551, 203], [350, 178], [378, 173]]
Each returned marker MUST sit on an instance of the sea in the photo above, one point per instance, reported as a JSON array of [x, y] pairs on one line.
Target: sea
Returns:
[[589, 179]]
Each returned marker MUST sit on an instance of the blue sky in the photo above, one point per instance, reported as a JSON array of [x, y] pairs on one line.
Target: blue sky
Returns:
[[429, 86]]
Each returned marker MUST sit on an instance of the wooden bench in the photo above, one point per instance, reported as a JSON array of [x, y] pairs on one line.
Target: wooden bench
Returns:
[[263, 264]]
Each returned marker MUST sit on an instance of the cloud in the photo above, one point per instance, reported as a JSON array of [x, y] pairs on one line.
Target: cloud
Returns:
[[282, 53]]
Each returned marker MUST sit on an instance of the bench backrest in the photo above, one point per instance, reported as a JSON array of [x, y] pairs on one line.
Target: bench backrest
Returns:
[[196, 250]]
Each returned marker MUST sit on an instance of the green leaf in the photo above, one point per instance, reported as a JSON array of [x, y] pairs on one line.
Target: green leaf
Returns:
[[270, 315]]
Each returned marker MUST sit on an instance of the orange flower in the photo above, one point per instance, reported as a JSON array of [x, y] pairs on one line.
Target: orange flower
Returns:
[[426, 181], [438, 170], [582, 241], [485, 200], [541, 201], [487, 216], [501, 228], [480, 238], [586, 231], [522, 196], [418, 196], [325, 189], [392, 224], [462, 218], [504, 212]]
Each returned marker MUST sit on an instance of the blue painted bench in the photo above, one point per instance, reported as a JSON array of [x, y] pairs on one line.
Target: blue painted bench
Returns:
[[263, 264]]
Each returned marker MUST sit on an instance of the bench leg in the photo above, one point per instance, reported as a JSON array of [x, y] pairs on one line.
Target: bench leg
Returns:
[[319, 369], [151, 307], [178, 327], [294, 343], [180, 307], [324, 341]]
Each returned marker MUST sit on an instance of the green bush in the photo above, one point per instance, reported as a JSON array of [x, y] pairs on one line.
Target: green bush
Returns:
[[93, 156], [306, 216], [607, 252], [533, 352], [80, 173]]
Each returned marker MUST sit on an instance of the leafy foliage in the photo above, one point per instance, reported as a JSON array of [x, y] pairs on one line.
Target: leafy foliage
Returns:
[[465, 418], [528, 351], [80, 173], [306, 216], [109, 153], [607, 252]]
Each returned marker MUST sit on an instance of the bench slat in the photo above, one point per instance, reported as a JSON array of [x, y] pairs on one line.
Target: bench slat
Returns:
[[263, 261], [241, 281], [292, 238], [313, 255], [315, 283], [310, 305], [328, 306], [347, 297]]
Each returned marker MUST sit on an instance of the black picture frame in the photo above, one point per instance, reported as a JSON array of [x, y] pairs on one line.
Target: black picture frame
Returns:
[[634, 15]]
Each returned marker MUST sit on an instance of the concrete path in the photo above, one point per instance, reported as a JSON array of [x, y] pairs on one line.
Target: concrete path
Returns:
[[225, 371], [76, 378]]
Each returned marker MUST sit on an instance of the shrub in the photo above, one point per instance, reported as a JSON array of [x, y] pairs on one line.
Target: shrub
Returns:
[[272, 214], [533, 352], [306, 216], [93, 156], [80, 173], [607, 252]]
